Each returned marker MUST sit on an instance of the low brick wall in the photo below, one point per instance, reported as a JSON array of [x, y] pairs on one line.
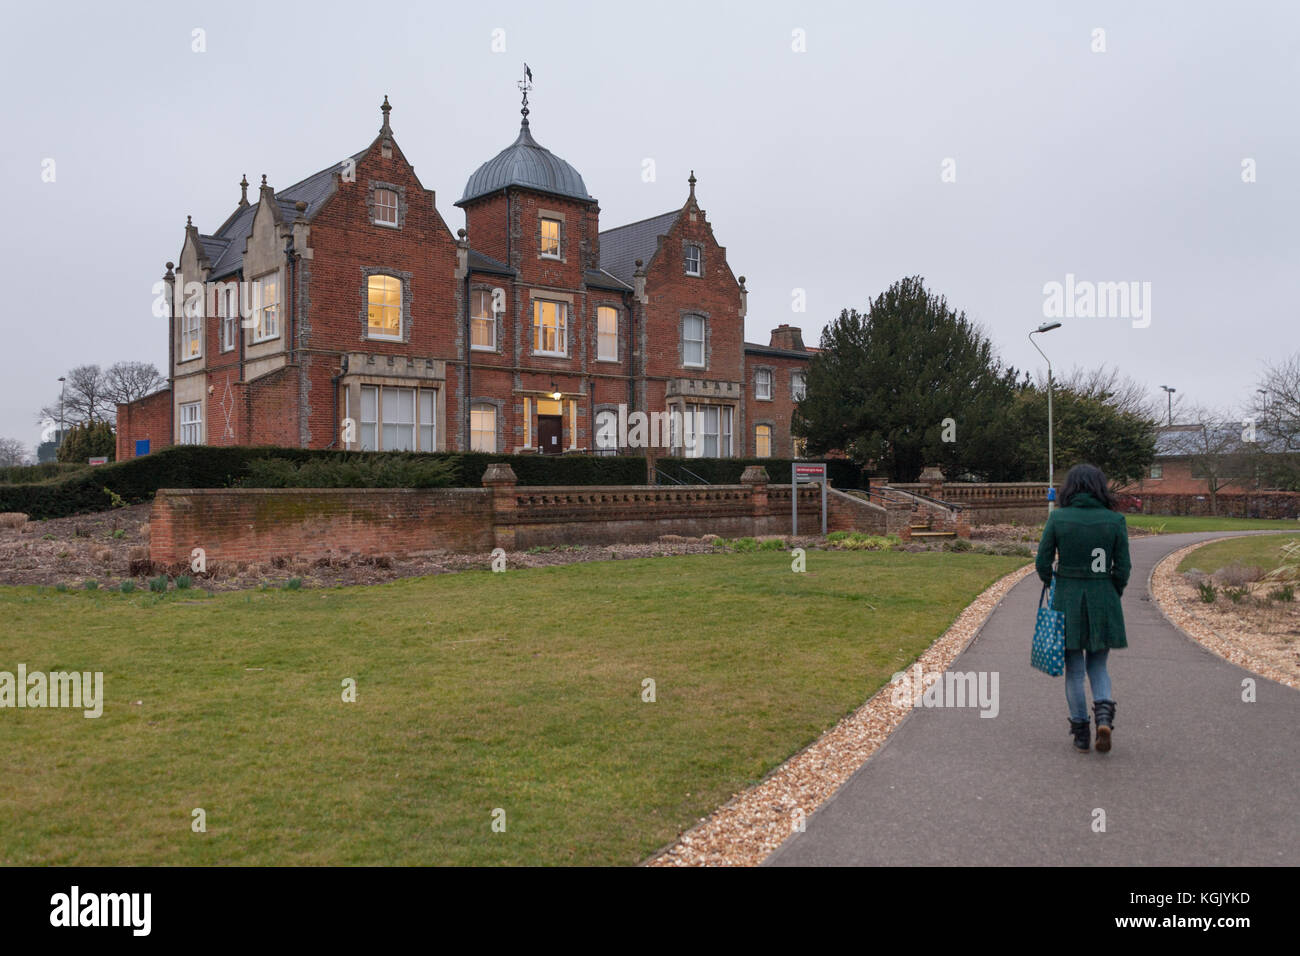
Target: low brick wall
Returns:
[[258, 525], [1257, 504], [1022, 502]]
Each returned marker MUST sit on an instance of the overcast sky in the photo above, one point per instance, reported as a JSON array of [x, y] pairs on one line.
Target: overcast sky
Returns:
[[821, 169]]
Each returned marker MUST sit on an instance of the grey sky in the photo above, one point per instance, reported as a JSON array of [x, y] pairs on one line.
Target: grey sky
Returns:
[[819, 170]]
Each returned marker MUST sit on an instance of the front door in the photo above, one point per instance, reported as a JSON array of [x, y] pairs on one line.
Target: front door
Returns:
[[549, 434]]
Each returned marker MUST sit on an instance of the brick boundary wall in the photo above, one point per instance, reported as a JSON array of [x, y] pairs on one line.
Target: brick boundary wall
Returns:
[[260, 524], [1255, 504]]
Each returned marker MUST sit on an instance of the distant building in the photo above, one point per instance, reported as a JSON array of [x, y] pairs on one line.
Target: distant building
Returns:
[[347, 315], [1186, 455]]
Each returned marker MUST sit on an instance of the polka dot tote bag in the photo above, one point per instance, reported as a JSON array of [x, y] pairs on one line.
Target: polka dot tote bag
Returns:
[[1048, 652]]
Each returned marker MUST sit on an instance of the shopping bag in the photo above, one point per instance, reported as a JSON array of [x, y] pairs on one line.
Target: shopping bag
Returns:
[[1048, 651]]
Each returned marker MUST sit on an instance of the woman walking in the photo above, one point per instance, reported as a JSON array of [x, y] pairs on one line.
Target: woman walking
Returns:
[[1091, 539]]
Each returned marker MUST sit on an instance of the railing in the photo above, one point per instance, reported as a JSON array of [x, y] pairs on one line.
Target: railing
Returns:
[[660, 474]]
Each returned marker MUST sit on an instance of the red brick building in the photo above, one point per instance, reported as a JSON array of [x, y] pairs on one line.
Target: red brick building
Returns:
[[341, 312]]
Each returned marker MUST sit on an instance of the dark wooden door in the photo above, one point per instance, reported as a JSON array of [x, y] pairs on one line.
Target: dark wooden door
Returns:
[[550, 430]]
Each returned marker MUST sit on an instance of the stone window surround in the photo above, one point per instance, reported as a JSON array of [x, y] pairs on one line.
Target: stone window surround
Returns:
[[374, 184], [405, 277], [619, 325], [771, 394], [556, 216], [500, 405], [680, 402], [686, 243], [596, 412], [351, 400], [681, 338], [498, 318], [546, 295]]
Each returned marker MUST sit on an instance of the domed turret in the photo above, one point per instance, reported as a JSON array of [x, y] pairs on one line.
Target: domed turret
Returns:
[[525, 163]]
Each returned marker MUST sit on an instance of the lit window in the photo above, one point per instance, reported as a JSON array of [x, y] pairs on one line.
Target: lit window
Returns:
[[550, 235], [692, 260], [397, 419], [693, 341], [763, 441], [607, 334], [267, 325], [483, 428], [192, 329], [550, 327], [798, 386], [192, 423], [1157, 471], [763, 384], [384, 307], [385, 207], [483, 323]]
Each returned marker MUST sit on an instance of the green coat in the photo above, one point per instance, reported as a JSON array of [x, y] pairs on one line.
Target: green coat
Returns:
[[1092, 543]]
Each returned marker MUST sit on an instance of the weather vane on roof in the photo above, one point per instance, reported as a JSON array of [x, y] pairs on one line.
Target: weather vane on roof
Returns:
[[525, 85]]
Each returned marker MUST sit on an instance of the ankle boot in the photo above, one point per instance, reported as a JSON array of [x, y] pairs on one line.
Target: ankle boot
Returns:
[[1081, 729], [1105, 711]]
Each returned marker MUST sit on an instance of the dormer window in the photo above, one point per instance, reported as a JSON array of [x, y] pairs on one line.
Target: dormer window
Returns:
[[386, 208], [693, 260], [550, 239]]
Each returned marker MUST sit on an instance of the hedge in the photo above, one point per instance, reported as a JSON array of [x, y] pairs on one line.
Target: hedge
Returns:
[[202, 466], [46, 470], [843, 472]]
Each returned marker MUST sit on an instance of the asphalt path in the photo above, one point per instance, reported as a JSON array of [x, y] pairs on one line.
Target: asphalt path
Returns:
[[1196, 775]]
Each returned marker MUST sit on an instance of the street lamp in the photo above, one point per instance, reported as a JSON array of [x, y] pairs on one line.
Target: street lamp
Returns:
[[1051, 474], [63, 388], [1170, 395]]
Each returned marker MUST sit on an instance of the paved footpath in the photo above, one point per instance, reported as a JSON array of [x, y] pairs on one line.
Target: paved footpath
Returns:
[[1195, 776]]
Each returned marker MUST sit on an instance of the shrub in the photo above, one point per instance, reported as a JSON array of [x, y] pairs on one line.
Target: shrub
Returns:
[[293, 584], [91, 585], [13, 519], [857, 541], [126, 587], [957, 544], [88, 440], [61, 588], [183, 582], [119, 533], [1285, 593], [158, 584], [1235, 595], [1236, 575], [386, 472], [45, 471], [1207, 591]]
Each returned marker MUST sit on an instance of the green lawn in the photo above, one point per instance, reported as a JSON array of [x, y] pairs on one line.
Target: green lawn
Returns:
[[1176, 524], [519, 690], [1262, 551]]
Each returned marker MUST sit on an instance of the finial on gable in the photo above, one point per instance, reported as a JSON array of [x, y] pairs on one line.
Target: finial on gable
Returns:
[[386, 109], [189, 222], [692, 183], [243, 190], [263, 180]]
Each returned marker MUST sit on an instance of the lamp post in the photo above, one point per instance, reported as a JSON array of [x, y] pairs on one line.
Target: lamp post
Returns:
[[63, 388], [1169, 393], [1051, 473]]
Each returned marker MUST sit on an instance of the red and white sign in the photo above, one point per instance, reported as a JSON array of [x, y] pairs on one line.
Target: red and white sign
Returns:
[[809, 472]]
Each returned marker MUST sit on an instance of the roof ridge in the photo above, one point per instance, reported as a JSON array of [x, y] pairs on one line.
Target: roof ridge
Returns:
[[318, 172]]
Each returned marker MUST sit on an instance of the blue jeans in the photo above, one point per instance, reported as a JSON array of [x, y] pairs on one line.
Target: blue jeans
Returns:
[[1097, 677]]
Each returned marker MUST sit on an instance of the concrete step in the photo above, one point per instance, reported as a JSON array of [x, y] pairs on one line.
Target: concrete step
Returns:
[[934, 534]]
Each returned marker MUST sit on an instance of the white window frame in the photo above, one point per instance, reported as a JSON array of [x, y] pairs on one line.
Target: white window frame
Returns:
[[544, 240], [190, 420], [417, 425], [228, 312], [562, 326], [702, 340], [604, 338], [192, 333], [698, 259], [720, 430], [606, 437], [381, 207], [483, 438], [478, 319], [401, 292], [1157, 471], [763, 384], [798, 385], [266, 324]]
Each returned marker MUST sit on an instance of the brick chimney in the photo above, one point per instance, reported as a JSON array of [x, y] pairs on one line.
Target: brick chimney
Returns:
[[787, 337]]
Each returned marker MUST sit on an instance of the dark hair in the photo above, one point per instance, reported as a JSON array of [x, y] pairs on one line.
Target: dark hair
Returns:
[[1087, 479]]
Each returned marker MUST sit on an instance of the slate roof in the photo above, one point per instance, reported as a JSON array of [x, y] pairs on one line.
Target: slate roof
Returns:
[[225, 249], [600, 279], [753, 348], [527, 163], [478, 262], [621, 246], [1173, 441]]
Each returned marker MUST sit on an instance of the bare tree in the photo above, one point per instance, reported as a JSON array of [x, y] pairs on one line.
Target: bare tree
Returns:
[[1110, 386], [1216, 444], [13, 452], [1276, 409], [128, 381], [85, 398]]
